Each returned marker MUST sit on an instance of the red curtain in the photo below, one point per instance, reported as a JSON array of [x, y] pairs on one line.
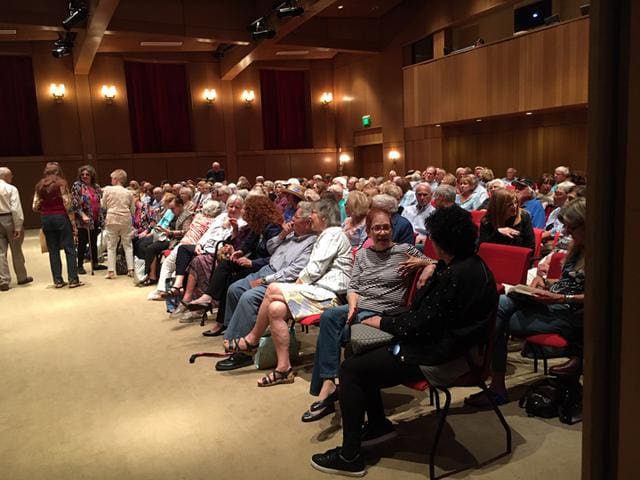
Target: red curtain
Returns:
[[286, 109], [19, 124], [159, 102]]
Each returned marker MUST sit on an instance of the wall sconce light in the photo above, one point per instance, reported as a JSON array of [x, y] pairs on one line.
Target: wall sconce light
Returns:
[[57, 92], [109, 93], [248, 96], [394, 155], [326, 98], [344, 158], [210, 95]]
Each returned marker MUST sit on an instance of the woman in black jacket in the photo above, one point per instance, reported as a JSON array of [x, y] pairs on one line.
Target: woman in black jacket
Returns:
[[505, 222], [449, 316]]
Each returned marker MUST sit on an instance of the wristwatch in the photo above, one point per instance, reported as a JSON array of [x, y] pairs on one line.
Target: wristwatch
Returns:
[[263, 281], [568, 298]]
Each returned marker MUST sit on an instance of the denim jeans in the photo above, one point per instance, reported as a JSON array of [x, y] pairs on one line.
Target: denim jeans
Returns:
[[59, 235], [526, 318], [333, 333], [243, 303]]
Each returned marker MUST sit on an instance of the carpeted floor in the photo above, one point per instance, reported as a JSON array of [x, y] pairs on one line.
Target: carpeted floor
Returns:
[[96, 385]]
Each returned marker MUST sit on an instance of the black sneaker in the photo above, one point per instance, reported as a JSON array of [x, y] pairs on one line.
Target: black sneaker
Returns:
[[375, 435], [332, 461], [82, 271], [99, 267]]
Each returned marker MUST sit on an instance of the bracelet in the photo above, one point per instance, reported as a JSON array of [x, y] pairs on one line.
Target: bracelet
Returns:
[[568, 298]]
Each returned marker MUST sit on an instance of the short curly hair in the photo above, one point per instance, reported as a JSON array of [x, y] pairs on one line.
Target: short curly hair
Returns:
[[452, 229], [259, 212]]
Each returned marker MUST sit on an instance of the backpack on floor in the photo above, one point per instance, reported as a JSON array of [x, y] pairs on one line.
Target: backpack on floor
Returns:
[[554, 397], [266, 355], [121, 261]]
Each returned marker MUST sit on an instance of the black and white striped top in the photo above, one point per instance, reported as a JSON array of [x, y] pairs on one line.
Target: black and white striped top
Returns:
[[376, 279]]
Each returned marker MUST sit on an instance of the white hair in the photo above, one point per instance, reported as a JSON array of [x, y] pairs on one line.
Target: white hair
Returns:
[[385, 202], [4, 172], [211, 208], [497, 181]]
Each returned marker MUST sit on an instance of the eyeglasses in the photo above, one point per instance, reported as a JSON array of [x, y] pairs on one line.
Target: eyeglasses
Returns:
[[381, 228], [85, 174]]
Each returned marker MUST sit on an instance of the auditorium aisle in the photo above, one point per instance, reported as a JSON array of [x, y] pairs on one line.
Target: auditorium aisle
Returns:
[[96, 385]]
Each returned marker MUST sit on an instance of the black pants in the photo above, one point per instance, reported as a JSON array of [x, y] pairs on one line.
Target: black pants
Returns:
[[149, 250], [361, 378], [223, 275], [85, 237], [183, 258]]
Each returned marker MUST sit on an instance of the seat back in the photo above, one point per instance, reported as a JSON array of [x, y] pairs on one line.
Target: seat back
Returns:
[[477, 215], [507, 263], [429, 251], [537, 233], [555, 265]]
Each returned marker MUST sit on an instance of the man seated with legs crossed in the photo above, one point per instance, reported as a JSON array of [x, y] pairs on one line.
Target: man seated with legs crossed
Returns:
[[290, 252]]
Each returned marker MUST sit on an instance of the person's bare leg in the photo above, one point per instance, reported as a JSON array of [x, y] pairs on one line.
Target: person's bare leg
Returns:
[[278, 315], [177, 282], [152, 271], [190, 288], [202, 299], [328, 387]]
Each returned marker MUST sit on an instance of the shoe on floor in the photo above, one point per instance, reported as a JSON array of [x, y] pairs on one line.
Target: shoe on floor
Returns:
[[60, 284], [480, 400], [4, 287], [189, 317], [156, 295], [321, 408], [75, 284], [82, 271], [215, 331], [332, 461], [178, 312], [237, 360], [97, 266], [373, 435], [25, 281]]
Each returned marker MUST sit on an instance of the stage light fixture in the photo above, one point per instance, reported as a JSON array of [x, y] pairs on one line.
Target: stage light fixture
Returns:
[[289, 8], [78, 12], [259, 29], [64, 45]]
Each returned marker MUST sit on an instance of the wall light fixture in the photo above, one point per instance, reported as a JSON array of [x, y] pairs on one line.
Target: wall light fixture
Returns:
[[248, 96], [326, 98], [57, 92], [109, 93], [210, 95]]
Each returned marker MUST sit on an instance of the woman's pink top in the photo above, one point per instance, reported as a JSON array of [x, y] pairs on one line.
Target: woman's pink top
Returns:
[[198, 228]]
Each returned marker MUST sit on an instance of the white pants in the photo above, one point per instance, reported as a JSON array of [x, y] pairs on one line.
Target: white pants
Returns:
[[168, 267], [113, 233]]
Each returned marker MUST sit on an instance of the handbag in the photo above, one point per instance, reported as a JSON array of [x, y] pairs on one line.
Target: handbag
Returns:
[[365, 338], [266, 355], [43, 242]]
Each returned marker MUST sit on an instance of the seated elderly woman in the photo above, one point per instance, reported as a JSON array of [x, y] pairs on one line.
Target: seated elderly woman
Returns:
[[402, 228], [449, 316], [246, 255], [505, 222], [316, 289], [550, 308], [379, 283], [198, 227], [471, 194], [196, 261]]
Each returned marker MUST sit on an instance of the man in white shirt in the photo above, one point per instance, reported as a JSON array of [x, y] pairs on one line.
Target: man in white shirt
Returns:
[[11, 232], [418, 212]]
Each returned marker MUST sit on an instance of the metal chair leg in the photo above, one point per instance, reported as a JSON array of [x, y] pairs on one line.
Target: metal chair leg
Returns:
[[437, 395], [546, 366], [436, 439], [430, 396], [497, 411]]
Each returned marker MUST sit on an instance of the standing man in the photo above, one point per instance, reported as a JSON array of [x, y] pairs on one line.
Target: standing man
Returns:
[[216, 174], [11, 232]]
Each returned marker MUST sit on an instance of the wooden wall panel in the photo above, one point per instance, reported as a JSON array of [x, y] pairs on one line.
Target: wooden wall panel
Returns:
[[544, 69], [207, 120]]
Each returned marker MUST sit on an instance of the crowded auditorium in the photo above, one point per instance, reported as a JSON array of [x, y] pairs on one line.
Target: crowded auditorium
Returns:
[[360, 226]]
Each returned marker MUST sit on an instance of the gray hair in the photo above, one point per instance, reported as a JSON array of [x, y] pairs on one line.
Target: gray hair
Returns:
[[496, 182], [329, 211], [446, 192], [186, 190], [564, 170], [211, 208], [224, 189], [306, 208], [243, 193], [4, 172], [566, 186], [233, 199], [385, 202], [423, 184]]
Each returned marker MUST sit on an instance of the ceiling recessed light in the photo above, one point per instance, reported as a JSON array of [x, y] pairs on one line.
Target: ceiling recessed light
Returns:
[[437, 124], [205, 40], [478, 120], [160, 44], [340, 7], [8, 32], [529, 113], [242, 43]]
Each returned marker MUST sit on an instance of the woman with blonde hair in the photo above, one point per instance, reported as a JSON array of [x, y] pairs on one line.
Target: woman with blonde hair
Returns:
[[505, 222], [470, 195], [354, 226], [120, 206]]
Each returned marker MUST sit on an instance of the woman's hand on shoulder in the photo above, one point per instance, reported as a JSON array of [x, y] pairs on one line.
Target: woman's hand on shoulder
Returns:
[[411, 264]]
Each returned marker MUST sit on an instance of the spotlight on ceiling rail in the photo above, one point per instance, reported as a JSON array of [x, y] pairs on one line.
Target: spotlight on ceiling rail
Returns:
[[78, 12], [259, 29], [64, 45], [289, 8]]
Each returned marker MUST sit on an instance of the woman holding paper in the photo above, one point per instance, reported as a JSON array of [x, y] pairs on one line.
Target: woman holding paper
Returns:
[[549, 309]]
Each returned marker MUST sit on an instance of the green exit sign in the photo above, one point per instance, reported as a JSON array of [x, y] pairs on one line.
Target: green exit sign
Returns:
[[366, 120]]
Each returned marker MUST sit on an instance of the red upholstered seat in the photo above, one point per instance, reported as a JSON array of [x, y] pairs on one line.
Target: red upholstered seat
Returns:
[[166, 253], [555, 266], [548, 340], [420, 385], [311, 320], [476, 216], [508, 264], [537, 234]]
